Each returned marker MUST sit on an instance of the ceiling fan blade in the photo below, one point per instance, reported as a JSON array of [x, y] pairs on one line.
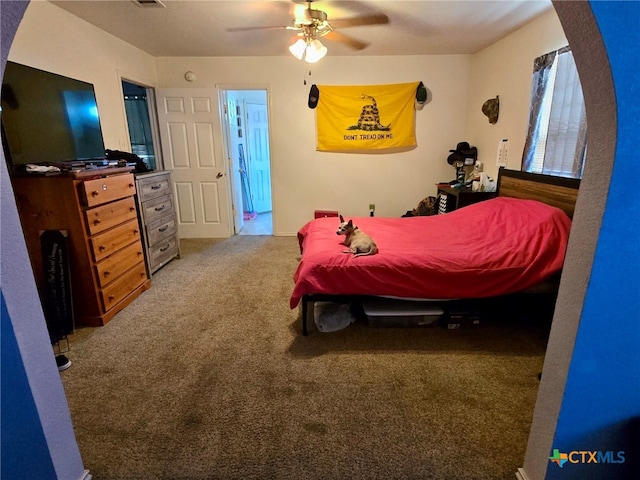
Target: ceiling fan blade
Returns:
[[346, 40], [247, 29], [374, 19]]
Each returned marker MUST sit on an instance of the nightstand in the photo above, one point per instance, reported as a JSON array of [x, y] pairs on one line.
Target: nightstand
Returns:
[[451, 198]]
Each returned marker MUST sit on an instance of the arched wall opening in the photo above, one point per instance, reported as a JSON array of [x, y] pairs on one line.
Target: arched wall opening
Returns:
[[584, 37], [590, 53]]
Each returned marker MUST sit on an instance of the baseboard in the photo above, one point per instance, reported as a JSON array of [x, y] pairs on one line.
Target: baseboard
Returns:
[[521, 474], [86, 475]]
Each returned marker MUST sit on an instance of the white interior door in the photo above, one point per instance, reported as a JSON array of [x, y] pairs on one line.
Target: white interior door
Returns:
[[188, 120], [259, 164], [231, 143]]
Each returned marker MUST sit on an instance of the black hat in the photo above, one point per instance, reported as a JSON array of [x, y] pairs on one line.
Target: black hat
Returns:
[[461, 147], [314, 96], [421, 96], [462, 152]]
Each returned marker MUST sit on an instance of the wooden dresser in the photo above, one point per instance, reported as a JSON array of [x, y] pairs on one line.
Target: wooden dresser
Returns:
[[97, 211], [157, 219]]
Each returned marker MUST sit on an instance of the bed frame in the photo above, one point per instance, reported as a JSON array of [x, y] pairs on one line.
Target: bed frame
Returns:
[[560, 192]]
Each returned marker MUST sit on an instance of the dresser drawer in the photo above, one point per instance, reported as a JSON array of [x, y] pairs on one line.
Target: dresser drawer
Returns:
[[107, 216], [154, 210], [160, 253], [123, 286], [115, 265], [155, 186], [113, 240], [163, 228], [107, 189]]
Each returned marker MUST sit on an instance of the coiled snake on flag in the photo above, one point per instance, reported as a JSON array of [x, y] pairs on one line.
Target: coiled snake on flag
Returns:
[[370, 117]]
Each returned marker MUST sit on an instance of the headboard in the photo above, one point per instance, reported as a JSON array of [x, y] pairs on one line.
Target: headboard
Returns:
[[560, 192]]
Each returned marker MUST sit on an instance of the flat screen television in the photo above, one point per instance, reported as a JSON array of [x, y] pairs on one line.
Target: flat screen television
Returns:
[[48, 118]]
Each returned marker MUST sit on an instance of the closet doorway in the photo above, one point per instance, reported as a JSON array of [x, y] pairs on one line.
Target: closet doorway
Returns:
[[247, 141]]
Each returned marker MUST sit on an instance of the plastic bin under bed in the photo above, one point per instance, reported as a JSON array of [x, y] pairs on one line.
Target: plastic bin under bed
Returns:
[[388, 312]]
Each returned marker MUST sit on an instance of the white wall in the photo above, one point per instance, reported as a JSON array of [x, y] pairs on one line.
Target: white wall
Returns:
[[51, 39], [303, 179], [505, 69]]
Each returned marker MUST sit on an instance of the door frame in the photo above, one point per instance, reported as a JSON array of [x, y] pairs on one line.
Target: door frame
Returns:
[[223, 90]]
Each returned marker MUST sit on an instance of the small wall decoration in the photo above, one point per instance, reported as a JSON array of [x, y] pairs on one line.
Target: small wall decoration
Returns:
[[491, 108]]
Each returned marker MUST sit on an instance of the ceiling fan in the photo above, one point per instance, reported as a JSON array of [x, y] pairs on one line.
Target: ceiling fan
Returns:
[[311, 24]]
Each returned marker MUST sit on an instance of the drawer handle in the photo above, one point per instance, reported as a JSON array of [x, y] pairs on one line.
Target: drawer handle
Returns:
[[131, 185], [132, 209], [139, 253], [136, 231], [95, 193], [163, 229], [111, 297], [96, 221], [159, 209], [164, 249], [156, 187], [102, 248], [107, 273]]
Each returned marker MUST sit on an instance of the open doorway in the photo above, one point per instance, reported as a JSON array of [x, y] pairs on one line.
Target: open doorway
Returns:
[[247, 139]]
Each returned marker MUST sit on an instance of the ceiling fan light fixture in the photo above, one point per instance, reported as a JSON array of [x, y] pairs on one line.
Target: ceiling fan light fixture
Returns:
[[315, 51], [323, 28], [298, 48]]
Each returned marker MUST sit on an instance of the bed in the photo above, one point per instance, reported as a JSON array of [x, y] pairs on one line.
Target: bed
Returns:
[[512, 243]]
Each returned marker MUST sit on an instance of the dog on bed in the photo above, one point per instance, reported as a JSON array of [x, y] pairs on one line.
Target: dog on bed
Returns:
[[359, 243]]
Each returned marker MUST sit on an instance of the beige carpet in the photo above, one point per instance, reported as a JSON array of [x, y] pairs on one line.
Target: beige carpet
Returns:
[[207, 376]]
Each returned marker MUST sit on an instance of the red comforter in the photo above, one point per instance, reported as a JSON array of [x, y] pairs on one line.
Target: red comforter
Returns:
[[491, 248]]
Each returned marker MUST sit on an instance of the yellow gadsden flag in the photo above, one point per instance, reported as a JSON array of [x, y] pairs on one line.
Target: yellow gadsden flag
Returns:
[[373, 117]]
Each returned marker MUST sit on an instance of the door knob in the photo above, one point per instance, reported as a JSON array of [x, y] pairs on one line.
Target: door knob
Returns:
[[220, 175]]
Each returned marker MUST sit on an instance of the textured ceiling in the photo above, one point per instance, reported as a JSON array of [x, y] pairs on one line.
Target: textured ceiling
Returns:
[[199, 28]]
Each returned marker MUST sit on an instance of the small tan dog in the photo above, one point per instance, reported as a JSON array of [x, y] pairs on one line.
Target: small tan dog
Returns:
[[359, 243]]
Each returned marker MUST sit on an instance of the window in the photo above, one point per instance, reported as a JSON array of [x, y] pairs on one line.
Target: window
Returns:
[[557, 137], [138, 103]]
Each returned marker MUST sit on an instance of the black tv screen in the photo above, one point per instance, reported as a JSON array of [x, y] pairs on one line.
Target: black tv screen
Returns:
[[48, 118]]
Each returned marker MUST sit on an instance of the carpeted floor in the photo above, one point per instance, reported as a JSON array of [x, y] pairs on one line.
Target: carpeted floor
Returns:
[[207, 376]]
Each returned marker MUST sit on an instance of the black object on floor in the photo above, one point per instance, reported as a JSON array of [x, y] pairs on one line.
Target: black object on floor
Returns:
[[63, 362]]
